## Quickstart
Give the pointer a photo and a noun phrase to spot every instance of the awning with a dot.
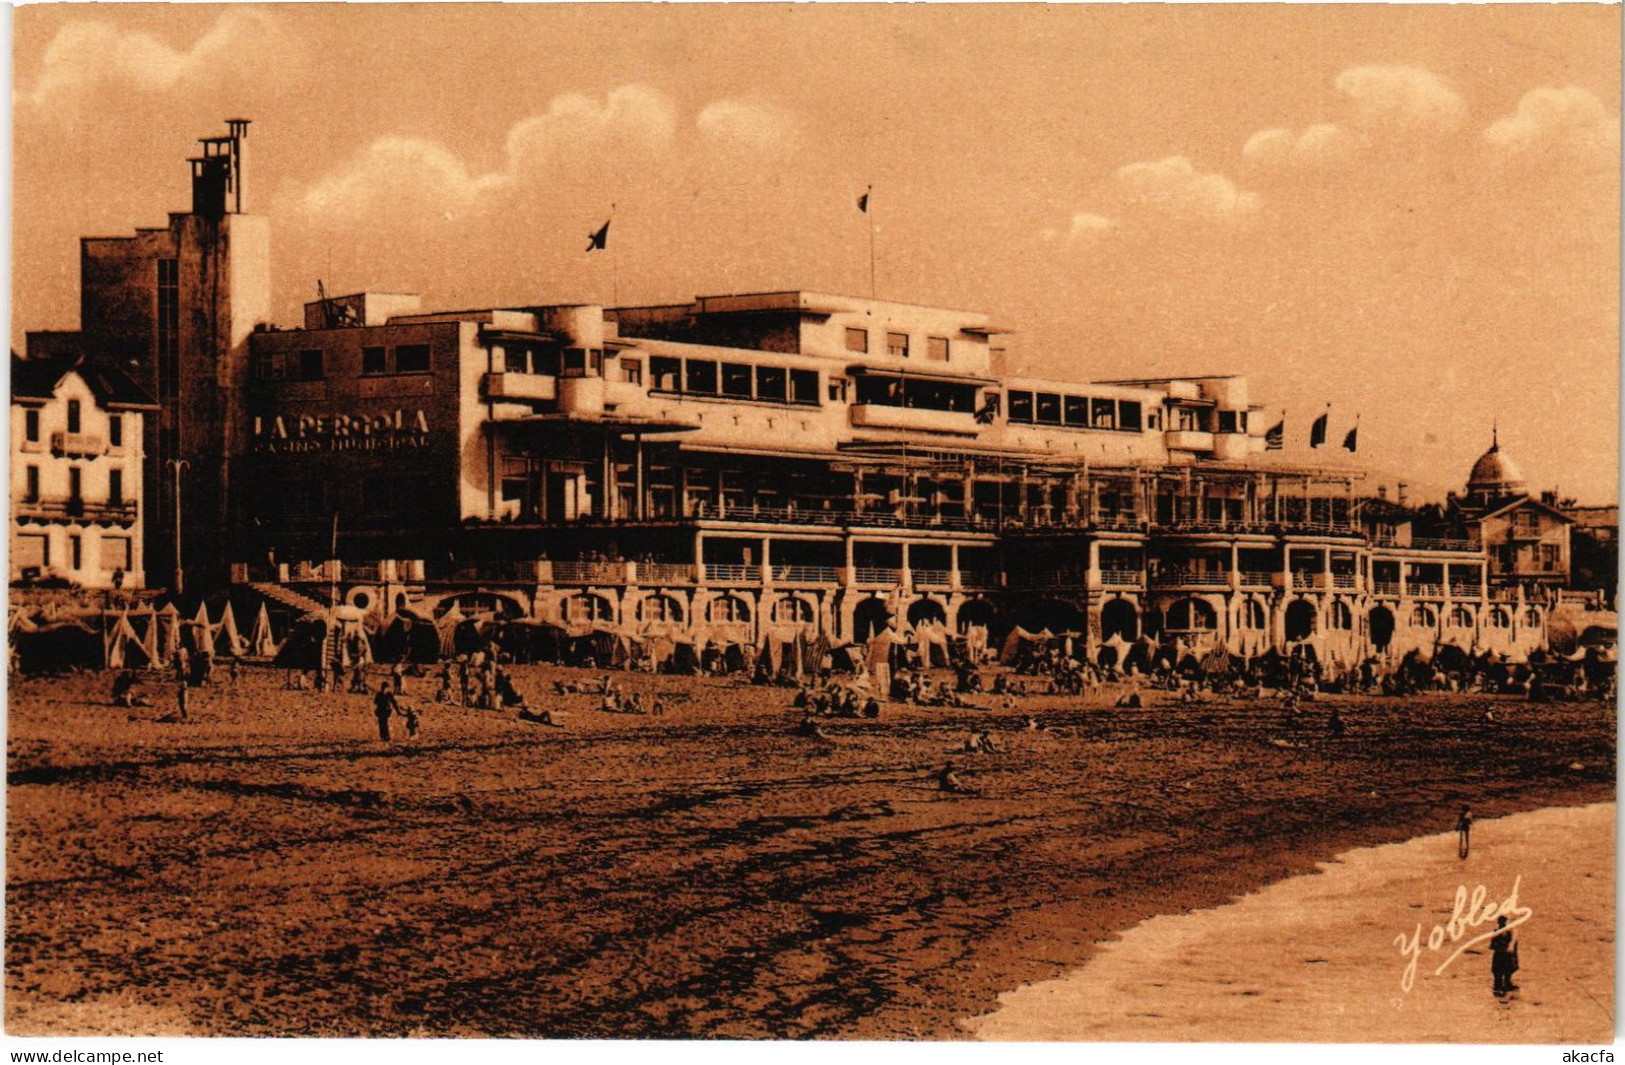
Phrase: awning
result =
(626, 423)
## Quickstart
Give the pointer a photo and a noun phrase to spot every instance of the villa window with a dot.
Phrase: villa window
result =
(897, 345)
(857, 340)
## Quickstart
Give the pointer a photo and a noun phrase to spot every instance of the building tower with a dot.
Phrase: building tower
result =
(172, 308)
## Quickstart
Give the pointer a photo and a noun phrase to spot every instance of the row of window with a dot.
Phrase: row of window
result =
(733, 380)
(936, 348)
(34, 552)
(582, 609)
(1079, 412)
(115, 486)
(115, 425)
(310, 364)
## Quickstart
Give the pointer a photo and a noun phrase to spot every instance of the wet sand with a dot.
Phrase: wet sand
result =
(1314, 958)
(272, 868)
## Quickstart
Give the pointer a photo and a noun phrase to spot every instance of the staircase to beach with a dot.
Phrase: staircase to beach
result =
(281, 593)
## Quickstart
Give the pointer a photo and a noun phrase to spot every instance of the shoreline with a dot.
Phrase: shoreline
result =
(1313, 957)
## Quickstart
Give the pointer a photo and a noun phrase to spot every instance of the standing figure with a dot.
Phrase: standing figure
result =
(1464, 828)
(181, 691)
(1503, 957)
(383, 705)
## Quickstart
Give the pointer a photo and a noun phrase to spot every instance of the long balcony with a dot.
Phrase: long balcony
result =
(1188, 440)
(77, 511)
(1386, 588)
(1254, 578)
(885, 576)
(919, 419)
(931, 578)
(1122, 578)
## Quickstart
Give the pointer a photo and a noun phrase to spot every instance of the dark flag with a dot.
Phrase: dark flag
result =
(1351, 441)
(1275, 439)
(599, 240)
(1317, 432)
(863, 203)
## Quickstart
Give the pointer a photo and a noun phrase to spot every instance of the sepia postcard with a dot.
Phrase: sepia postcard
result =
(913, 523)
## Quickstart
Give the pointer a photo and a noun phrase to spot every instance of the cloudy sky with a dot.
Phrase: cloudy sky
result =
(1409, 212)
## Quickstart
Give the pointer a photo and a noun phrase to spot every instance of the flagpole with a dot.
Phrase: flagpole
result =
(870, 201)
(614, 268)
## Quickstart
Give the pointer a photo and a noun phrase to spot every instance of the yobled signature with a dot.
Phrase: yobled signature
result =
(1468, 915)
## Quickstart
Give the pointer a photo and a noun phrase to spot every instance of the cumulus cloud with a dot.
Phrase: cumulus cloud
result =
(1174, 186)
(577, 145)
(746, 124)
(403, 171)
(1551, 121)
(1321, 144)
(1404, 99)
(1383, 107)
(631, 120)
(89, 55)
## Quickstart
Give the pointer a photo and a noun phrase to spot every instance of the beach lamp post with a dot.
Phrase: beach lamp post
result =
(176, 466)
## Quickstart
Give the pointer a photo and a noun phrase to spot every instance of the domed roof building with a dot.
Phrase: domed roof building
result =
(1526, 538)
(1495, 476)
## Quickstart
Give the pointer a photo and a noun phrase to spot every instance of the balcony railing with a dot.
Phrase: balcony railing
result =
(521, 386)
(879, 575)
(77, 444)
(1190, 579)
(806, 574)
(1428, 543)
(589, 572)
(1390, 588)
(1255, 578)
(978, 578)
(1424, 590)
(77, 510)
(877, 416)
(931, 578)
(1343, 581)
(1122, 578)
(664, 573)
(1465, 589)
(732, 573)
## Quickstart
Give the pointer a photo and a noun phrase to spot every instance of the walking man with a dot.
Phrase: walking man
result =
(1464, 828)
(384, 706)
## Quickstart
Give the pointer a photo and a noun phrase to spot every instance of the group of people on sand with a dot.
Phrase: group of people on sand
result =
(834, 700)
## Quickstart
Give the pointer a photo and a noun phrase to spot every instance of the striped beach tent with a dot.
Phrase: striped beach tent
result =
(261, 643)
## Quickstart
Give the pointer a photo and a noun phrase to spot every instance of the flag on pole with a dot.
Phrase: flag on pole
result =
(1275, 439)
(599, 240)
(863, 203)
(1317, 432)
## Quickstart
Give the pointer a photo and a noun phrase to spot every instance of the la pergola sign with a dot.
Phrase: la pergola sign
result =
(396, 430)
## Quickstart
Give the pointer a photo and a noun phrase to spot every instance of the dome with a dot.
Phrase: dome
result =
(1495, 474)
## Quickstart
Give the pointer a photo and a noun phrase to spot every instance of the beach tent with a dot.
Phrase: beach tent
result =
(261, 643)
(227, 640)
(122, 646)
(408, 638)
(976, 642)
(933, 644)
(169, 633)
(57, 648)
(198, 634)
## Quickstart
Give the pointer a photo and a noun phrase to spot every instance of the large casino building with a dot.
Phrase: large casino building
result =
(743, 461)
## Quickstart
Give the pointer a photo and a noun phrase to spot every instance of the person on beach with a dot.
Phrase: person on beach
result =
(1464, 828)
(181, 699)
(948, 780)
(1335, 725)
(383, 707)
(1503, 957)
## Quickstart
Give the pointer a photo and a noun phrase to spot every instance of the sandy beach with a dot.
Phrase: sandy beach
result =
(1314, 958)
(273, 868)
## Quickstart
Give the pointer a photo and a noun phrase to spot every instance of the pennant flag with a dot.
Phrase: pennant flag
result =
(1317, 432)
(1352, 440)
(1275, 439)
(599, 240)
(863, 203)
